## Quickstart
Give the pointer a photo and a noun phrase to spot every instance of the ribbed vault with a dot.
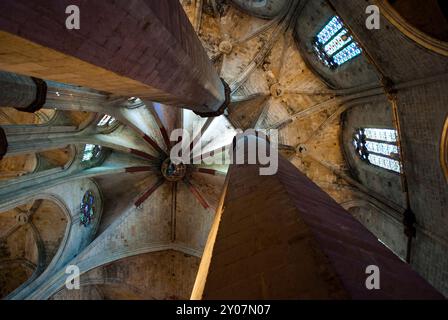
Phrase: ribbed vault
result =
(153, 216)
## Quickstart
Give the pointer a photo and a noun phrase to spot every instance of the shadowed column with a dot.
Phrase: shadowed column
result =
(141, 48)
(282, 237)
(30, 94)
(21, 92)
(3, 143)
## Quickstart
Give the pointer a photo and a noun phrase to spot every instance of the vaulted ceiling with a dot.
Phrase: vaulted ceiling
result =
(158, 226)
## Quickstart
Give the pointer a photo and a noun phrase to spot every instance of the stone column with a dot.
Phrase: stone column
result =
(282, 237)
(30, 94)
(24, 139)
(140, 48)
(62, 96)
(21, 92)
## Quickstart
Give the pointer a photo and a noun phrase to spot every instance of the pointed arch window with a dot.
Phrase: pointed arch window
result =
(91, 152)
(87, 208)
(259, 3)
(334, 45)
(106, 121)
(378, 147)
(134, 103)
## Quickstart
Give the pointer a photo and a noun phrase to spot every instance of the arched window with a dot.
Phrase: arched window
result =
(444, 149)
(334, 45)
(87, 208)
(378, 147)
(134, 103)
(106, 121)
(91, 151)
(259, 3)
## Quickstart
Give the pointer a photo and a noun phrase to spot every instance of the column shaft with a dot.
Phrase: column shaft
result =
(282, 237)
(30, 94)
(139, 48)
(21, 92)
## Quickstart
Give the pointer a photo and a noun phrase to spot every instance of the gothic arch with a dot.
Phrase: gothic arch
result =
(117, 278)
(20, 165)
(265, 9)
(375, 114)
(43, 117)
(76, 236)
(355, 74)
(409, 30)
(383, 224)
(61, 157)
(444, 149)
(33, 235)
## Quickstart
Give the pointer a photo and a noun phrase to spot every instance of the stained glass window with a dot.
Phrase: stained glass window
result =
(91, 151)
(334, 45)
(259, 3)
(87, 208)
(378, 147)
(134, 103)
(106, 121)
(388, 135)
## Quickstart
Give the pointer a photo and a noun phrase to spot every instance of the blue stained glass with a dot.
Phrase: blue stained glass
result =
(388, 135)
(338, 42)
(87, 208)
(385, 163)
(347, 54)
(334, 45)
(382, 148)
(329, 30)
(381, 151)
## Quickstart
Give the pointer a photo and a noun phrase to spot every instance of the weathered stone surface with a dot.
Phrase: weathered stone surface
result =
(282, 237)
(141, 48)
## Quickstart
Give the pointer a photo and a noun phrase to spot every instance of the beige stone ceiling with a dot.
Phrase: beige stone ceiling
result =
(279, 86)
(165, 275)
(30, 236)
(283, 67)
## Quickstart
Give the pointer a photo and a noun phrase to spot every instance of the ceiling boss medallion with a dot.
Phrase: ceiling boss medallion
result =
(173, 172)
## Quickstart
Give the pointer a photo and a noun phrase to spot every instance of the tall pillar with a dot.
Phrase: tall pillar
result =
(21, 92)
(141, 48)
(282, 237)
(30, 94)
